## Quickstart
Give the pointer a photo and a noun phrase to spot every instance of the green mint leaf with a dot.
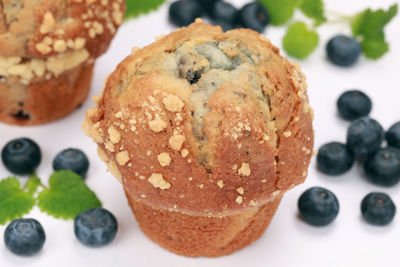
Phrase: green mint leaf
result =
(374, 48)
(138, 7)
(280, 10)
(14, 202)
(67, 196)
(299, 42)
(370, 24)
(32, 184)
(314, 9)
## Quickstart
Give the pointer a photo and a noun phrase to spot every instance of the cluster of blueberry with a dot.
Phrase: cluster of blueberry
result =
(94, 227)
(381, 165)
(252, 15)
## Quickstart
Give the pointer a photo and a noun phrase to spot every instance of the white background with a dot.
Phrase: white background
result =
(349, 241)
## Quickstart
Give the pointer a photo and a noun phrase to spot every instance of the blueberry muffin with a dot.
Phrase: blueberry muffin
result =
(47, 52)
(206, 130)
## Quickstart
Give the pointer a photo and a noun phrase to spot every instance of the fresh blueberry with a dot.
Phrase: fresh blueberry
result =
(95, 227)
(24, 237)
(224, 11)
(383, 167)
(71, 159)
(393, 135)
(253, 16)
(378, 208)
(21, 156)
(364, 136)
(354, 104)
(207, 5)
(318, 206)
(343, 50)
(225, 25)
(334, 158)
(184, 12)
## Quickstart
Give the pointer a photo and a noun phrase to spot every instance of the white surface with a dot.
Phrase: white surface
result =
(288, 241)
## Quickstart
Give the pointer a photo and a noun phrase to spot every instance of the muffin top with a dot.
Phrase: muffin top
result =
(205, 122)
(38, 37)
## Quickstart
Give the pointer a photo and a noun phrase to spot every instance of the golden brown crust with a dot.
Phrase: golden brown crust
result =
(195, 236)
(255, 149)
(44, 101)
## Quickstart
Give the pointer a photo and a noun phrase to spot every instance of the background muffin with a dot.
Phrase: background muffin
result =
(206, 130)
(47, 51)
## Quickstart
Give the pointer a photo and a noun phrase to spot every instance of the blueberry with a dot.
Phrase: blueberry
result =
(207, 5)
(354, 104)
(71, 159)
(21, 156)
(334, 158)
(378, 208)
(364, 136)
(24, 237)
(184, 12)
(225, 25)
(318, 206)
(393, 135)
(343, 50)
(223, 11)
(383, 167)
(254, 16)
(95, 227)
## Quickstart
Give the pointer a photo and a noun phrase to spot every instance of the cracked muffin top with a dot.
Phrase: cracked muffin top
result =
(205, 122)
(39, 37)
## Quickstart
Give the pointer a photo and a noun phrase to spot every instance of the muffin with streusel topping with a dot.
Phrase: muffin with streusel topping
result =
(206, 130)
(47, 52)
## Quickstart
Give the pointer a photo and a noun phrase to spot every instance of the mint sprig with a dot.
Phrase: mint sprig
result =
(280, 11)
(299, 41)
(66, 197)
(367, 26)
(14, 201)
(138, 7)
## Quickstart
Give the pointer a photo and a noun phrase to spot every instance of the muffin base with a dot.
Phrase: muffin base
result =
(208, 236)
(44, 101)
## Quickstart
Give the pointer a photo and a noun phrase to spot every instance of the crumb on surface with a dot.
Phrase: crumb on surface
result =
(164, 159)
(240, 190)
(173, 103)
(176, 141)
(220, 183)
(239, 200)
(244, 169)
(158, 181)
(157, 125)
(122, 157)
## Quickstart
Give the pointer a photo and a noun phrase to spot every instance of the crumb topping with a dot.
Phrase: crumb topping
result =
(287, 134)
(184, 153)
(176, 141)
(122, 157)
(239, 200)
(157, 125)
(164, 159)
(157, 180)
(115, 135)
(244, 169)
(220, 183)
(240, 190)
(173, 103)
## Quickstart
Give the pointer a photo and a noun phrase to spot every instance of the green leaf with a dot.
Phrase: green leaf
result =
(374, 48)
(32, 184)
(370, 23)
(135, 8)
(280, 10)
(314, 9)
(368, 26)
(299, 42)
(67, 196)
(14, 202)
